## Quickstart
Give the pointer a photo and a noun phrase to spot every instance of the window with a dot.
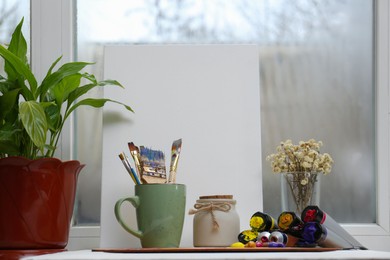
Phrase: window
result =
(375, 232)
(316, 81)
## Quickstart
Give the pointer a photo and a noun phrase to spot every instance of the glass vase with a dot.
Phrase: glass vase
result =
(299, 190)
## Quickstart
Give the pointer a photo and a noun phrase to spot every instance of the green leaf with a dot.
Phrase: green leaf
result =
(75, 94)
(21, 69)
(7, 102)
(9, 141)
(9, 148)
(65, 70)
(80, 91)
(110, 82)
(52, 66)
(64, 87)
(94, 102)
(34, 121)
(5, 86)
(17, 46)
(54, 117)
(90, 77)
(7, 132)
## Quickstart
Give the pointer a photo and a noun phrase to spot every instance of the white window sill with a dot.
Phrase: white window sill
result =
(342, 254)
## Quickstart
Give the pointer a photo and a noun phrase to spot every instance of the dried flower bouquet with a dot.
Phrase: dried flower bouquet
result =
(301, 164)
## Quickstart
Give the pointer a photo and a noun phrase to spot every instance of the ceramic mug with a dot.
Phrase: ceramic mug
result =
(160, 210)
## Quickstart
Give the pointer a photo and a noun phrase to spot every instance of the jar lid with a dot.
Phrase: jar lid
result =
(216, 197)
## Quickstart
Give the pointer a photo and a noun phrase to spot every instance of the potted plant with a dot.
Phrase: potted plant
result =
(37, 190)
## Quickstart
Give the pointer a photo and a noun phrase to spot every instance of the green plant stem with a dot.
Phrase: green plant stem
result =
(56, 138)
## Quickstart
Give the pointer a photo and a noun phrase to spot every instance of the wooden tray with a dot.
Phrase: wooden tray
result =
(214, 249)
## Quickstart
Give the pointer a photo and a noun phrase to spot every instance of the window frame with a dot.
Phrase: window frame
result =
(52, 37)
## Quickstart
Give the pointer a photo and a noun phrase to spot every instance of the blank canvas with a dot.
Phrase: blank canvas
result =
(208, 95)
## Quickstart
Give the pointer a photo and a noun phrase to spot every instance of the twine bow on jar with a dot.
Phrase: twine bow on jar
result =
(211, 206)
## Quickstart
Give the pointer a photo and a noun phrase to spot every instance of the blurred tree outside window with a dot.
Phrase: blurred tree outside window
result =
(11, 12)
(316, 81)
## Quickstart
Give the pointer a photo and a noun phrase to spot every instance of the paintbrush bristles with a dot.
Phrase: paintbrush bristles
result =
(152, 156)
(176, 148)
(128, 168)
(134, 151)
(153, 165)
(150, 164)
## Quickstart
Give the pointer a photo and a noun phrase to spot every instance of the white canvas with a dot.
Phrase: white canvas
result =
(208, 95)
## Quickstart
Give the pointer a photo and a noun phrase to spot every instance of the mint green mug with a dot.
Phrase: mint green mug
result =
(160, 210)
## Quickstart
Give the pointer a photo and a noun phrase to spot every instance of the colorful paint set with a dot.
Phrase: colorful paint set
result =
(314, 228)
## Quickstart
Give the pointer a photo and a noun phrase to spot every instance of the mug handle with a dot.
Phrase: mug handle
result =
(135, 202)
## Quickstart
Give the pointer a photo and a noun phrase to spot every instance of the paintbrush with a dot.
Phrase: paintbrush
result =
(129, 169)
(153, 165)
(134, 151)
(176, 148)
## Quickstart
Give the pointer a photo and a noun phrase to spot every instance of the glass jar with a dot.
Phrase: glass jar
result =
(299, 190)
(216, 222)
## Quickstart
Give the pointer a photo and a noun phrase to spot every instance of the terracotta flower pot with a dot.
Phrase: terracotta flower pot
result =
(36, 202)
